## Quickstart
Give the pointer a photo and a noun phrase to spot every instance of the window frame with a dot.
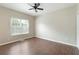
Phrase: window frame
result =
(19, 33)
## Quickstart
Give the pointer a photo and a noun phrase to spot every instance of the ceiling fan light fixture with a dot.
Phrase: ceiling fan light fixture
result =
(35, 7)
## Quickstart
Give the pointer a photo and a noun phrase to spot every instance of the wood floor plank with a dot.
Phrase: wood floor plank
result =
(37, 46)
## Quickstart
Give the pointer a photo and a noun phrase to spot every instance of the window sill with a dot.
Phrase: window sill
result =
(19, 34)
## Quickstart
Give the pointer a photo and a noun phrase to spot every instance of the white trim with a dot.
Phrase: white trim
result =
(13, 41)
(41, 38)
(58, 41)
(9, 42)
(14, 34)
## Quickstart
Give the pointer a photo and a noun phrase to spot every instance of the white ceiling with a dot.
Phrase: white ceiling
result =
(48, 7)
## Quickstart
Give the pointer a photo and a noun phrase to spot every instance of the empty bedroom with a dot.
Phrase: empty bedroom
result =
(39, 29)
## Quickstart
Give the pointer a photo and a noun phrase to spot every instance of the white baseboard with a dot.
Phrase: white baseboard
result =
(13, 41)
(41, 38)
(58, 42)
(8, 42)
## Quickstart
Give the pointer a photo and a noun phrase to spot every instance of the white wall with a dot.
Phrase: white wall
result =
(78, 25)
(58, 26)
(78, 30)
(5, 17)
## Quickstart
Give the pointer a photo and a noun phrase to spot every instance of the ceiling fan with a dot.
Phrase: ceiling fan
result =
(35, 7)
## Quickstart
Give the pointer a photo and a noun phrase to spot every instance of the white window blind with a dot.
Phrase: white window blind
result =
(19, 26)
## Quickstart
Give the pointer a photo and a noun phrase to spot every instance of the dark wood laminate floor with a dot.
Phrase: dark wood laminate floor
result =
(36, 46)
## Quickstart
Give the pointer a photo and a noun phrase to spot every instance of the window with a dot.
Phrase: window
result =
(19, 26)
